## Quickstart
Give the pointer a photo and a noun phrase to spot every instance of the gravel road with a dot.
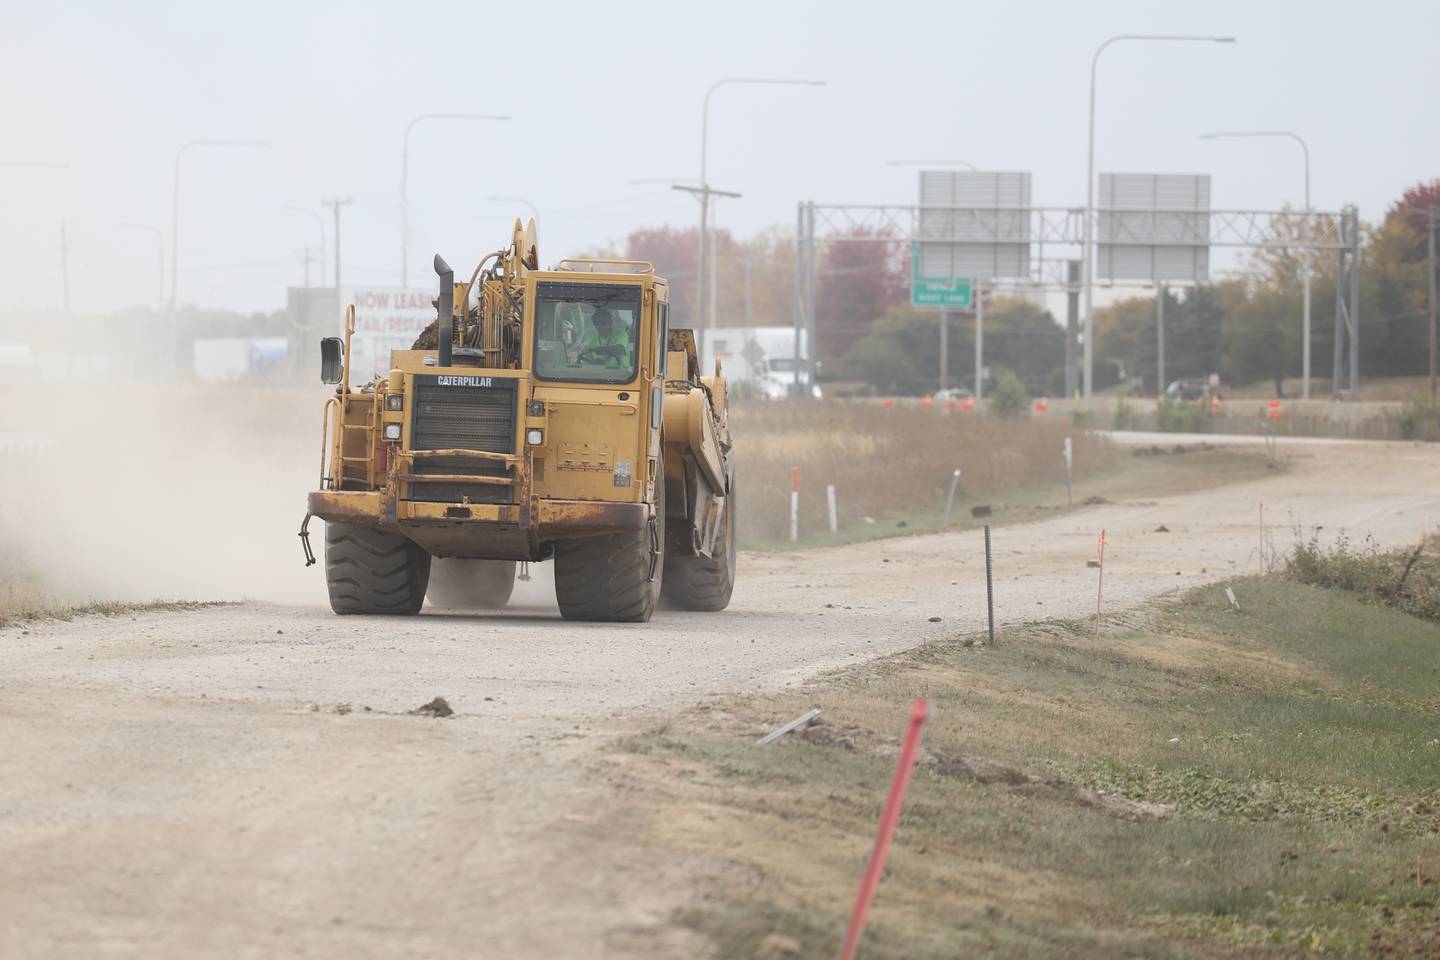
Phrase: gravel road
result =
(247, 781)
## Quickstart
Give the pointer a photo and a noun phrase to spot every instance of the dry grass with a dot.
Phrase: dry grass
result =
(888, 461)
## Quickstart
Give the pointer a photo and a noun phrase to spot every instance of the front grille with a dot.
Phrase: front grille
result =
(462, 413)
(463, 417)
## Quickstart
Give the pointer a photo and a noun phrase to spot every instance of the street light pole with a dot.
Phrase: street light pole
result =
(405, 181)
(319, 225)
(704, 180)
(1087, 254)
(1305, 269)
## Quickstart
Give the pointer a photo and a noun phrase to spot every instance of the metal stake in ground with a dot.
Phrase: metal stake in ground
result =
(888, 819)
(950, 497)
(830, 507)
(1264, 567)
(1100, 583)
(989, 588)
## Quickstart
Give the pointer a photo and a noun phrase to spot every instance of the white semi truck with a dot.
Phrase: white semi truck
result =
(763, 357)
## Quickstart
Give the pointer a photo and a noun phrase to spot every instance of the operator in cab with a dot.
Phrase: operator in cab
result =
(608, 343)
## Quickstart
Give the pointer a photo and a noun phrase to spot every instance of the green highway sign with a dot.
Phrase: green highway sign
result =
(938, 292)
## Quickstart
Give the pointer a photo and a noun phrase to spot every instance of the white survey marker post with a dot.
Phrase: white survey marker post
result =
(950, 497)
(830, 505)
(794, 504)
(1069, 467)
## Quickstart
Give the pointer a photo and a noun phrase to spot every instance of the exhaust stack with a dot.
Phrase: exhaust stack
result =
(446, 306)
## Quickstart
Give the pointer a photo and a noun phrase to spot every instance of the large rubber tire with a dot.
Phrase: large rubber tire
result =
(704, 584)
(370, 571)
(458, 584)
(607, 578)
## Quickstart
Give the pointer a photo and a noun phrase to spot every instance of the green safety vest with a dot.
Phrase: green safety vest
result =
(616, 338)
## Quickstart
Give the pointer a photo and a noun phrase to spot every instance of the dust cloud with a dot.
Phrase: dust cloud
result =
(143, 491)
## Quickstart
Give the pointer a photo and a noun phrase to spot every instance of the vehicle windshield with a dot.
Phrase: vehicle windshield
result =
(586, 331)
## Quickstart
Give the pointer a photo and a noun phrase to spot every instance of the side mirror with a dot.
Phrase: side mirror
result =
(331, 362)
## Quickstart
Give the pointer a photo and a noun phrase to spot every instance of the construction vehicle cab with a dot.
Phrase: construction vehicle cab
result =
(545, 415)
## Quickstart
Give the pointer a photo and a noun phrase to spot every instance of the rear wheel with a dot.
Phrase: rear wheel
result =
(456, 583)
(370, 571)
(609, 577)
(704, 584)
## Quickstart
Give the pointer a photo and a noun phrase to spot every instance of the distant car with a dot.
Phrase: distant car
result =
(952, 394)
(1193, 388)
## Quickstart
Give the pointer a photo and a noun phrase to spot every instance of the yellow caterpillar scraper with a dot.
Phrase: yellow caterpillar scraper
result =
(550, 415)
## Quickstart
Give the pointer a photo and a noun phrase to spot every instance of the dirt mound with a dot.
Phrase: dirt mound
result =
(435, 708)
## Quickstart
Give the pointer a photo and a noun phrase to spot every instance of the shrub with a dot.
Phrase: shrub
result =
(1181, 416)
(1008, 397)
(1406, 579)
(1420, 420)
(1125, 416)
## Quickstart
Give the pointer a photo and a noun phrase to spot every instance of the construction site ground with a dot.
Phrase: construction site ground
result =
(251, 780)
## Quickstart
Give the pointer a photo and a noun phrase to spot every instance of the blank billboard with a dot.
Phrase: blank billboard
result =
(974, 224)
(1154, 226)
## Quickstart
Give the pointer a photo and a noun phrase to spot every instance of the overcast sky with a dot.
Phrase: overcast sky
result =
(605, 93)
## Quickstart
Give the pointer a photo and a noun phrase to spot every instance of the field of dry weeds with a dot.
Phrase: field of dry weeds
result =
(887, 460)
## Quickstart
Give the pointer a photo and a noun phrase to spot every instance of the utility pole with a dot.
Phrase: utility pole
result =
(335, 204)
(1432, 215)
(1160, 339)
(979, 346)
(1072, 328)
(944, 348)
(703, 193)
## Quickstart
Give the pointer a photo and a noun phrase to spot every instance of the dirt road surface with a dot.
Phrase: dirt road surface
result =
(246, 781)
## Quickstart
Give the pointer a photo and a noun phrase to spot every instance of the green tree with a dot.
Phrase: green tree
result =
(1260, 336)
(1023, 338)
(1008, 397)
(898, 355)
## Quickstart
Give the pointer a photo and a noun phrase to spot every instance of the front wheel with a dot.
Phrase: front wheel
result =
(369, 571)
(615, 577)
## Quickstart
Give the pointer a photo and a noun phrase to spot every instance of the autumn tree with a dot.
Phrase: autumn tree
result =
(858, 278)
(754, 279)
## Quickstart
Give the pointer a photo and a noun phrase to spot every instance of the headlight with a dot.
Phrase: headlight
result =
(534, 437)
(392, 431)
(535, 408)
(395, 402)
